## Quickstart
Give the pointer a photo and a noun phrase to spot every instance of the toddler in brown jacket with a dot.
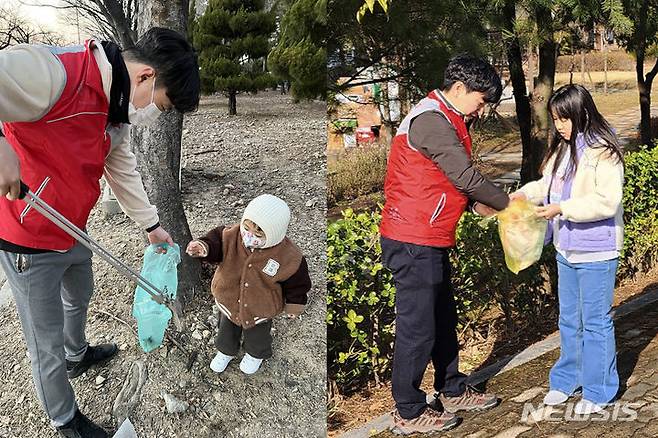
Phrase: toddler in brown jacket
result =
(261, 274)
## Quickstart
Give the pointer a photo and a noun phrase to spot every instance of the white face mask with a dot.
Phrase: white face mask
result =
(143, 116)
(250, 240)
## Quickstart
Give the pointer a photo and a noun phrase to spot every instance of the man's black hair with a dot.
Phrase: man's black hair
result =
(476, 74)
(175, 63)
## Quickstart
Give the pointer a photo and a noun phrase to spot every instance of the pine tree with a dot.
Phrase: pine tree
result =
(191, 21)
(300, 56)
(232, 39)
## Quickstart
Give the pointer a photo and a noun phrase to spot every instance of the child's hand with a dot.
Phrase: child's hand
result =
(549, 212)
(196, 249)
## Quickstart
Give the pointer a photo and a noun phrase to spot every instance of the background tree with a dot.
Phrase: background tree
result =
(158, 150)
(550, 26)
(400, 47)
(638, 39)
(531, 152)
(14, 29)
(232, 38)
(300, 55)
(112, 20)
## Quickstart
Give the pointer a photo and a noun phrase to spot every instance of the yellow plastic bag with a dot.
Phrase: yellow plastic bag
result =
(522, 234)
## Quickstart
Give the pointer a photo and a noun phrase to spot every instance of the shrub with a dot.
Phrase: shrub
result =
(481, 278)
(359, 172)
(359, 303)
(640, 212)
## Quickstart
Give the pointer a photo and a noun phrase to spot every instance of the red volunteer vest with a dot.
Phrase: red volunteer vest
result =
(68, 145)
(422, 205)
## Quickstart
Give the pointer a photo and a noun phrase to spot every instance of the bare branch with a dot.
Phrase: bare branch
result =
(115, 19)
(14, 29)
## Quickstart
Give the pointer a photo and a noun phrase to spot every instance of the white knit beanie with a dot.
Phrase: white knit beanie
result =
(272, 215)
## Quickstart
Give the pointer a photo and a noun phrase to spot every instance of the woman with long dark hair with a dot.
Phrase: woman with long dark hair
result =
(581, 193)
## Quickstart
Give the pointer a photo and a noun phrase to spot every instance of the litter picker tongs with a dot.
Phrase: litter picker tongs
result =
(54, 216)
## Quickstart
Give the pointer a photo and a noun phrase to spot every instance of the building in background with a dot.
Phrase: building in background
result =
(363, 115)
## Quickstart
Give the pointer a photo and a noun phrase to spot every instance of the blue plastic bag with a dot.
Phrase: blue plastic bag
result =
(153, 318)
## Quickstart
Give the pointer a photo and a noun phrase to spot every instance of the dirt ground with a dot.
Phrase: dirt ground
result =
(272, 146)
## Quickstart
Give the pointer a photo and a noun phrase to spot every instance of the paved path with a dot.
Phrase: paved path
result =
(523, 381)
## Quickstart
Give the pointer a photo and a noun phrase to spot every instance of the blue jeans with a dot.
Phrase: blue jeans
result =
(587, 335)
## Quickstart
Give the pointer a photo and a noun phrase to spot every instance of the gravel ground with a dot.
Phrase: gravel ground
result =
(272, 146)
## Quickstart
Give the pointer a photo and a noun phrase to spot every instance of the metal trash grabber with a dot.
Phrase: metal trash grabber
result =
(65, 225)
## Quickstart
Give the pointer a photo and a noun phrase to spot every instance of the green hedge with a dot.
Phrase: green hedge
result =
(361, 295)
(640, 212)
(360, 302)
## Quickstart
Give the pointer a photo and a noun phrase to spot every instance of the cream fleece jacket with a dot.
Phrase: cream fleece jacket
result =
(596, 193)
(32, 80)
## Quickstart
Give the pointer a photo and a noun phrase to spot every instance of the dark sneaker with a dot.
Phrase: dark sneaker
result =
(470, 400)
(93, 355)
(429, 421)
(81, 427)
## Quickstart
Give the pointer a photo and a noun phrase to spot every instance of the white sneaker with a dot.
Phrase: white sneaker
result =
(586, 407)
(250, 364)
(220, 362)
(555, 397)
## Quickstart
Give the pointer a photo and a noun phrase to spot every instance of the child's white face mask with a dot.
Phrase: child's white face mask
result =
(250, 240)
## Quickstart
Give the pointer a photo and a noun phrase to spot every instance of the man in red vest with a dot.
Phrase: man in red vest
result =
(430, 180)
(66, 114)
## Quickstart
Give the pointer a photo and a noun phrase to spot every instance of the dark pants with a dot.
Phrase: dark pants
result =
(425, 324)
(257, 340)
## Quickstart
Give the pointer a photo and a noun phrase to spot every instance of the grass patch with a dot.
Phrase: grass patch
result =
(615, 102)
(622, 89)
(357, 173)
(621, 80)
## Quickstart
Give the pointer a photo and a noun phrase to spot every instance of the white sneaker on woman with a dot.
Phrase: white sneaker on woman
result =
(585, 407)
(555, 397)
(220, 362)
(250, 364)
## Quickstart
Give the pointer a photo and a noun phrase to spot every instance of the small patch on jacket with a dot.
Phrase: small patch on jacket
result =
(271, 268)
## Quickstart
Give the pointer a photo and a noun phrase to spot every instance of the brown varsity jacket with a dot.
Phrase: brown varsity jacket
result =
(251, 287)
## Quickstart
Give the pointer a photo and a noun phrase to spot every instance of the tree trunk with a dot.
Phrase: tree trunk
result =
(605, 68)
(385, 106)
(529, 160)
(232, 103)
(544, 86)
(403, 98)
(644, 83)
(113, 10)
(158, 151)
(531, 67)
